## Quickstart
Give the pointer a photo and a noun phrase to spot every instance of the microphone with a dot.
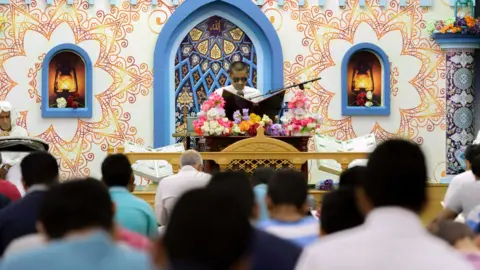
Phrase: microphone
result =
(300, 85)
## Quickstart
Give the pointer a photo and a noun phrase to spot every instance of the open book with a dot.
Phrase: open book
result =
(154, 170)
(270, 105)
(324, 143)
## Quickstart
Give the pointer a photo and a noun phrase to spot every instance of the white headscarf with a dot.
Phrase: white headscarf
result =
(6, 106)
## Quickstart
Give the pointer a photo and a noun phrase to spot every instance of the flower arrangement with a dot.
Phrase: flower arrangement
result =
(211, 118)
(364, 99)
(72, 101)
(298, 121)
(245, 123)
(463, 25)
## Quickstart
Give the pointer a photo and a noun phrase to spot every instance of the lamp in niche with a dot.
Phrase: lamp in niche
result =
(65, 80)
(362, 79)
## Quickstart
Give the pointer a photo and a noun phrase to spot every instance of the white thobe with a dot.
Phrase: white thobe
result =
(248, 92)
(390, 239)
(13, 159)
(174, 186)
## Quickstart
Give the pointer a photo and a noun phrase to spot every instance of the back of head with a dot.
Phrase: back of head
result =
(39, 168)
(191, 158)
(262, 175)
(339, 211)
(352, 176)
(237, 66)
(206, 231)
(4, 201)
(472, 151)
(288, 188)
(396, 175)
(476, 166)
(117, 171)
(452, 231)
(74, 205)
(235, 185)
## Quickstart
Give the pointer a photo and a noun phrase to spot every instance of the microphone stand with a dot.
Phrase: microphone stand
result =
(274, 91)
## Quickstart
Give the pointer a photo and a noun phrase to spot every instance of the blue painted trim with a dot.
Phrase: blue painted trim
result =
(381, 110)
(69, 2)
(49, 2)
(321, 3)
(281, 2)
(260, 2)
(341, 3)
(175, 2)
(382, 3)
(86, 112)
(362, 3)
(457, 41)
(133, 2)
(403, 3)
(113, 2)
(90, 2)
(426, 3)
(301, 3)
(248, 13)
(28, 2)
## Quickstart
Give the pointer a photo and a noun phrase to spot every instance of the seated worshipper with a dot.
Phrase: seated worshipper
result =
(11, 160)
(471, 152)
(238, 74)
(287, 202)
(339, 211)
(79, 232)
(39, 172)
(351, 177)
(391, 195)
(207, 232)
(260, 178)
(132, 213)
(466, 198)
(267, 251)
(9, 190)
(460, 237)
(190, 176)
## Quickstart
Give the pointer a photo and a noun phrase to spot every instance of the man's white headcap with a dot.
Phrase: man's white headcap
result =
(6, 106)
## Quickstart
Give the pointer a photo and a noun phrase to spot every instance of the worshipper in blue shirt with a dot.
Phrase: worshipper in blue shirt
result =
(287, 202)
(39, 171)
(220, 240)
(266, 251)
(260, 178)
(132, 213)
(77, 219)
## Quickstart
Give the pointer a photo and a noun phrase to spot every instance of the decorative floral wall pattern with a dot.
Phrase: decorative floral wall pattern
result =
(120, 41)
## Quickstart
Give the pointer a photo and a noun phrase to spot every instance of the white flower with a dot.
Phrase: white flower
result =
(61, 102)
(236, 129)
(369, 95)
(226, 130)
(266, 119)
(261, 123)
(299, 111)
(200, 113)
(212, 114)
(285, 119)
(311, 125)
(213, 124)
(368, 104)
(290, 127)
(317, 131)
(219, 130)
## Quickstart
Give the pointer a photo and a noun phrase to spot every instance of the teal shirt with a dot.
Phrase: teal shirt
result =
(97, 251)
(260, 192)
(133, 213)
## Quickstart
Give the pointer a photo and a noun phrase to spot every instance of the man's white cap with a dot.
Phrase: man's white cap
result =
(5, 106)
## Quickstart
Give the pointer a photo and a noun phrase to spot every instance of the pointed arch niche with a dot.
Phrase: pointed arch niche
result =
(247, 17)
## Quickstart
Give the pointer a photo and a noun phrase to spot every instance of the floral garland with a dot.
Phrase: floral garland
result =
(245, 123)
(211, 118)
(298, 121)
(72, 101)
(464, 25)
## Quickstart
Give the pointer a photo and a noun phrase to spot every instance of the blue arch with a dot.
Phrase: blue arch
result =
(48, 112)
(382, 56)
(177, 26)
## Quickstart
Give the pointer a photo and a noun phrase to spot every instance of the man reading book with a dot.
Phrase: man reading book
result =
(238, 74)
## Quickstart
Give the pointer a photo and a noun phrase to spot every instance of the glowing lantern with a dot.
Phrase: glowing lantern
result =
(362, 79)
(65, 79)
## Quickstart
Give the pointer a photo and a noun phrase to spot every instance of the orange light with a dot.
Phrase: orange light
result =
(363, 81)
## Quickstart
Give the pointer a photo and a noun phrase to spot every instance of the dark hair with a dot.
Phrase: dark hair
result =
(452, 231)
(396, 175)
(39, 168)
(472, 151)
(75, 205)
(288, 188)
(352, 176)
(221, 235)
(117, 171)
(238, 66)
(237, 186)
(262, 175)
(339, 211)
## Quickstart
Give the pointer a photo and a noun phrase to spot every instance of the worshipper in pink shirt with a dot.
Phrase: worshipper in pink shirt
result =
(460, 237)
(134, 240)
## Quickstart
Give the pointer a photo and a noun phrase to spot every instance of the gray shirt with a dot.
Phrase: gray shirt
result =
(465, 198)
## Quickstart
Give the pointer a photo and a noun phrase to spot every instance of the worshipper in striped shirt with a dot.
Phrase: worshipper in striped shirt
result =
(287, 202)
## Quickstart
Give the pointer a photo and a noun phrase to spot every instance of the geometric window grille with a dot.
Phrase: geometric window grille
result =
(202, 62)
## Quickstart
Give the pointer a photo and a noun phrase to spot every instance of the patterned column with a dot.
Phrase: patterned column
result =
(460, 102)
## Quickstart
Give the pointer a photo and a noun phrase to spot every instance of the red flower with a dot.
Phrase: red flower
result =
(361, 98)
(76, 95)
(252, 131)
(69, 101)
(74, 104)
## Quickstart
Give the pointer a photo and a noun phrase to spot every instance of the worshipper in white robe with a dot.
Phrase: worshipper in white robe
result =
(11, 160)
(172, 187)
(238, 74)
